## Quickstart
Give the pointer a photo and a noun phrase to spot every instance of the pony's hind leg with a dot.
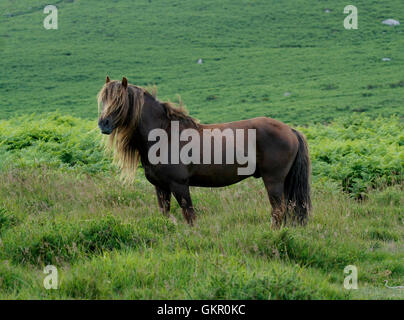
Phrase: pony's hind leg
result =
(164, 199)
(183, 197)
(275, 194)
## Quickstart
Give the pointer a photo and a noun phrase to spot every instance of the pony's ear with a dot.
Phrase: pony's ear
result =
(107, 80)
(124, 82)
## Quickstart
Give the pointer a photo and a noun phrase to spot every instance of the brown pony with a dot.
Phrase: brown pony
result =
(129, 113)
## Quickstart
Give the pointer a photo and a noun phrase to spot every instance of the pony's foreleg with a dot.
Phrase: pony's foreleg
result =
(164, 199)
(275, 194)
(183, 197)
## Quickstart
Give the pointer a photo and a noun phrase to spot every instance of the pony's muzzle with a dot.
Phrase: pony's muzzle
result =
(105, 125)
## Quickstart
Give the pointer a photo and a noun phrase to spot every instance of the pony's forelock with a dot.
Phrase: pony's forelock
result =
(126, 105)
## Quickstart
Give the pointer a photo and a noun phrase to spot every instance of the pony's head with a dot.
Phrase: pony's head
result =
(120, 107)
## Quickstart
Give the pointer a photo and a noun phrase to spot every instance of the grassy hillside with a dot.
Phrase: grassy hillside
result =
(62, 203)
(254, 51)
(61, 200)
(112, 242)
(356, 153)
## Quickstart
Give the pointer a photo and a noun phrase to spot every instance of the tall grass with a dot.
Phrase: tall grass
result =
(357, 153)
(109, 240)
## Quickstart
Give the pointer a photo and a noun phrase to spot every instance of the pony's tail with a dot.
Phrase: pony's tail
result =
(297, 184)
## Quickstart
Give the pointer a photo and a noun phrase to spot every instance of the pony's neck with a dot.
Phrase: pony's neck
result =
(153, 116)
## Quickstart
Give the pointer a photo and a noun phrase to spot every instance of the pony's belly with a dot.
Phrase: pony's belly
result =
(215, 176)
(214, 183)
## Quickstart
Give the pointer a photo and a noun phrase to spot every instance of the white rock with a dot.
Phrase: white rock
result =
(327, 10)
(199, 61)
(391, 22)
(386, 59)
(287, 94)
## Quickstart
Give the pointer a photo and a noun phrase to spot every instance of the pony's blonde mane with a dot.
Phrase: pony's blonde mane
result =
(126, 103)
(174, 111)
(177, 112)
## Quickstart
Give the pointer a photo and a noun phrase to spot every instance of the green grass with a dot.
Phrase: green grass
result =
(356, 153)
(109, 240)
(253, 51)
(61, 200)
